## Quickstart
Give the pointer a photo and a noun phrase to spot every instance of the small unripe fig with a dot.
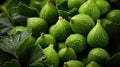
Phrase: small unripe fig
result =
(38, 25)
(73, 63)
(98, 37)
(91, 8)
(51, 56)
(49, 12)
(77, 42)
(75, 3)
(113, 15)
(98, 55)
(66, 54)
(45, 40)
(93, 64)
(103, 5)
(61, 30)
(81, 24)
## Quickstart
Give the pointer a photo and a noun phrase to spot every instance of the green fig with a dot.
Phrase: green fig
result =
(38, 25)
(73, 63)
(93, 64)
(98, 55)
(91, 8)
(98, 37)
(114, 16)
(75, 3)
(49, 12)
(103, 5)
(66, 54)
(51, 56)
(60, 45)
(45, 40)
(61, 30)
(77, 42)
(81, 23)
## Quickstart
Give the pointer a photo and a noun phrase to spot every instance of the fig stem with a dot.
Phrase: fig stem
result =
(65, 64)
(69, 18)
(98, 22)
(51, 45)
(42, 34)
(60, 18)
(49, 1)
(67, 46)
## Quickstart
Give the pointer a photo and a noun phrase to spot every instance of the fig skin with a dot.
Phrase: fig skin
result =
(75, 3)
(81, 23)
(90, 8)
(98, 36)
(73, 63)
(61, 30)
(49, 13)
(93, 64)
(77, 42)
(98, 55)
(113, 16)
(66, 54)
(51, 55)
(104, 6)
(45, 40)
(38, 25)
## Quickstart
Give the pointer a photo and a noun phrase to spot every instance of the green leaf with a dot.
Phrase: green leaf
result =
(12, 43)
(5, 25)
(63, 13)
(17, 18)
(37, 65)
(61, 4)
(10, 3)
(12, 63)
(40, 63)
(27, 11)
(20, 13)
(73, 12)
(66, 13)
(33, 54)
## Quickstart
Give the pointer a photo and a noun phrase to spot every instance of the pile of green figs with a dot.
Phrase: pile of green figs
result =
(74, 33)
